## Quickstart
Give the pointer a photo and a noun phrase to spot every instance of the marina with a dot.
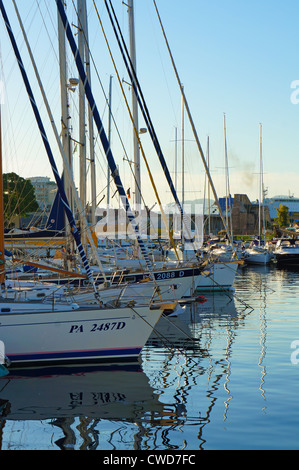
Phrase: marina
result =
(134, 317)
(221, 375)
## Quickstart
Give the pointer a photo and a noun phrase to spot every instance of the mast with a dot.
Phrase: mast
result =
(109, 139)
(73, 231)
(65, 132)
(144, 109)
(225, 169)
(2, 257)
(47, 147)
(90, 121)
(227, 199)
(140, 144)
(175, 158)
(260, 190)
(134, 105)
(183, 172)
(194, 130)
(261, 195)
(209, 208)
(82, 138)
(102, 133)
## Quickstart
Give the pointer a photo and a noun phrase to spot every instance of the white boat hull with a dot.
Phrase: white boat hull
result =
(87, 334)
(258, 257)
(145, 291)
(175, 281)
(220, 277)
(287, 257)
(287, 252)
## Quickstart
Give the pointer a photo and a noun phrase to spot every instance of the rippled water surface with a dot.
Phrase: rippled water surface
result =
(222, 375)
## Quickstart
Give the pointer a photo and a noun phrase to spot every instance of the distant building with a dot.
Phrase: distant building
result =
(291, 202)
(226, 203)
(245, 215)
(45, 191)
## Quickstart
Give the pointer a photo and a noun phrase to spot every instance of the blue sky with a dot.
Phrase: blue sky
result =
(233, 57)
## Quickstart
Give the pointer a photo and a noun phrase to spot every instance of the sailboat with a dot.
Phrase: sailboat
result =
(257, 252)
(43, 332)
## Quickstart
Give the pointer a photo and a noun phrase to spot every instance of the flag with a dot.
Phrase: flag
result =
(128, 193)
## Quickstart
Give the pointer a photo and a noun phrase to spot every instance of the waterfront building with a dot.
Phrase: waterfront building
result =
(291, 202)
(45, 191)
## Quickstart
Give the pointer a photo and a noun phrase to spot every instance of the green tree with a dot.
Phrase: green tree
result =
(282, 219)
(18, 196)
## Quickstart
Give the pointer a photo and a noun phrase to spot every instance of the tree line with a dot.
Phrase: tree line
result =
(18, 197)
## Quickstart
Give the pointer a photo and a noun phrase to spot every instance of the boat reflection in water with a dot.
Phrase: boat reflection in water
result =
(136, 406)
(193, 373)
(73, 396)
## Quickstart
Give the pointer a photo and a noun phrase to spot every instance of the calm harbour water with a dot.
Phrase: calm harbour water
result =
(222, 375)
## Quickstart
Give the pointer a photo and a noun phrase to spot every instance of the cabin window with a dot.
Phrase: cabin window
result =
(5, 310)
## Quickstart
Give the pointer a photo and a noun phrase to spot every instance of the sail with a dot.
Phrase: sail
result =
(56, 219)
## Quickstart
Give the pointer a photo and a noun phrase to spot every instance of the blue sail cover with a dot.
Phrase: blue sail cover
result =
(56, 219)
(55, 224)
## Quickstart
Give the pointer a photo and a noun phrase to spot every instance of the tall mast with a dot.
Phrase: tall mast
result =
(65, 132)
(59, 142)
(134, 105)
(260, 189)
(261, 194)
(227, 199)
(225, 167)
(208, 191)
(208, 163)
(47, 146)
(175, 158)
(2, 258)
(109, 139)
(183, 156)
(194, 131)
(102, 134)
(183, 170)
(90, 122)
(82, 138)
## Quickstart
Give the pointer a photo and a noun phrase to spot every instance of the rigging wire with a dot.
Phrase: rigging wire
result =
(47, 146)
(107, 104)
(17, 135)
(193, 129)
(145, 112)
(104, 140)
(138, 138)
